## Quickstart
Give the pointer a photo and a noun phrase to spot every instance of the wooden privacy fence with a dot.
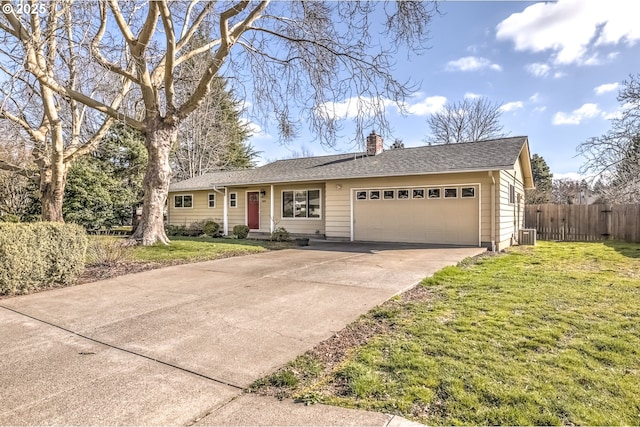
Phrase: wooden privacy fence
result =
(584, 222)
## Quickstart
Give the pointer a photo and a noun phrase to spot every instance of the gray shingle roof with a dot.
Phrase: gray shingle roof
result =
(496, 154)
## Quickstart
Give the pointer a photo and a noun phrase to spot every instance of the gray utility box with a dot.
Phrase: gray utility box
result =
(527, 236)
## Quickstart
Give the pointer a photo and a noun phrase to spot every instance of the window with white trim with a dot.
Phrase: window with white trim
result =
(434, 193)
(183, 201)
(403, 194)
(388, 194)
(468, 192)
(212, 200)
(233, 200)
(418, 193)
(450, 193)
(301, 204)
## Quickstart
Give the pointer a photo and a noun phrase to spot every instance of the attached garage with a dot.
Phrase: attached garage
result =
(448, 214)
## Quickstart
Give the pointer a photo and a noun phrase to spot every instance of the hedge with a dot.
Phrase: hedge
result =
(37, 255)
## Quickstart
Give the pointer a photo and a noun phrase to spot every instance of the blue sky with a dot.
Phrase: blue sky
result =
(556, 68)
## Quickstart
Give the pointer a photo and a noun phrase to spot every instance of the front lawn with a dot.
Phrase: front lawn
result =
(544, 335)
(192, 249)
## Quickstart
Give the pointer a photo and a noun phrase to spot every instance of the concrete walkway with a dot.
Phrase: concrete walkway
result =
(178, 345)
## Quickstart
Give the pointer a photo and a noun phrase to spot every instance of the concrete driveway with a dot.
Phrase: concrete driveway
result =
(176, 345)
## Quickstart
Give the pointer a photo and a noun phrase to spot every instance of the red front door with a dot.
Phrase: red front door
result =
(253, 210)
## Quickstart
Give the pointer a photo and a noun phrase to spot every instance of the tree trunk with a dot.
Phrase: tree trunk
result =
(159, 139)
(53, 179)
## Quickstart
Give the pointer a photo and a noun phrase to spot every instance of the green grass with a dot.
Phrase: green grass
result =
(541, 336)
(182, 249)
(197, 249)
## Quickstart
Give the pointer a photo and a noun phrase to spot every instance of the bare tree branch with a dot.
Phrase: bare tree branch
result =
(465, 121)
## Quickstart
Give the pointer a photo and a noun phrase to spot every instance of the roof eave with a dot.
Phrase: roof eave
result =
(344, 177)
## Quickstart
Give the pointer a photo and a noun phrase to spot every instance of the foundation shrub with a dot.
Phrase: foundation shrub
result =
(241, 231)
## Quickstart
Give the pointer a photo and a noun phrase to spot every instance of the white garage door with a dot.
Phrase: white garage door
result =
(441, 215)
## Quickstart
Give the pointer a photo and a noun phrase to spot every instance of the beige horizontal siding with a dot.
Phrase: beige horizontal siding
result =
(199, 211)
(509, 219)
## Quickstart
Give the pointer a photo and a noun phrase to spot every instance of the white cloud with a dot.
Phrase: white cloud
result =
(472, 63)
(572, 30)
(256, 130)
(618, 113)
(511, 106)
(559, 74)
(604, 88)
(471, 95)
(538, 69)
(534, 98)
(613, 115)
(353, 107)
(429, 105)
(540, 109)
(587, 111)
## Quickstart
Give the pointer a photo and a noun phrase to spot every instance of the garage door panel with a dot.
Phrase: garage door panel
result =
(439, 221)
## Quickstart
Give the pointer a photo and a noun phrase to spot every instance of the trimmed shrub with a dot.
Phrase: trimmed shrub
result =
(280, 234)
(241, 231)
(211, 228)
(37, 255)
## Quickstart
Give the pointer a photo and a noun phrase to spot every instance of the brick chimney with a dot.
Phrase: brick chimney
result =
(374, 144)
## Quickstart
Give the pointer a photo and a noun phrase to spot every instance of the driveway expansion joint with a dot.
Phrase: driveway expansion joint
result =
(153, 359)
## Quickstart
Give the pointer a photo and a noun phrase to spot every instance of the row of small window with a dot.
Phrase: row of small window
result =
(186, 201)
(416, 193)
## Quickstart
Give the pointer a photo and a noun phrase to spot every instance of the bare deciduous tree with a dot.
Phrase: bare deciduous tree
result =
(293, 58)
(570, 191)
(614, 158)
(465, 121)
(57, 128)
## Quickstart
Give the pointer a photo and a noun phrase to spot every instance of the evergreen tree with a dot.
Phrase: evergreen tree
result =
(542, 179)
(105, 188)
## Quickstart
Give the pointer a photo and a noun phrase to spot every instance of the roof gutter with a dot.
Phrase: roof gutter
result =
(340, 177)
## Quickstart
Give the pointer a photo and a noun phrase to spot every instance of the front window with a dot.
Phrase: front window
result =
(183, 201)
(233, 200)
(212, 200)
(301, 204)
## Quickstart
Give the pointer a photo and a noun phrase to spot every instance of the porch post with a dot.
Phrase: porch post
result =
(271, 210)
(225, 212)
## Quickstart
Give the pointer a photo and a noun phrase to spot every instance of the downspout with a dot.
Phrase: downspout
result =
(272, 219)
(493, 212)
(225, 222)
